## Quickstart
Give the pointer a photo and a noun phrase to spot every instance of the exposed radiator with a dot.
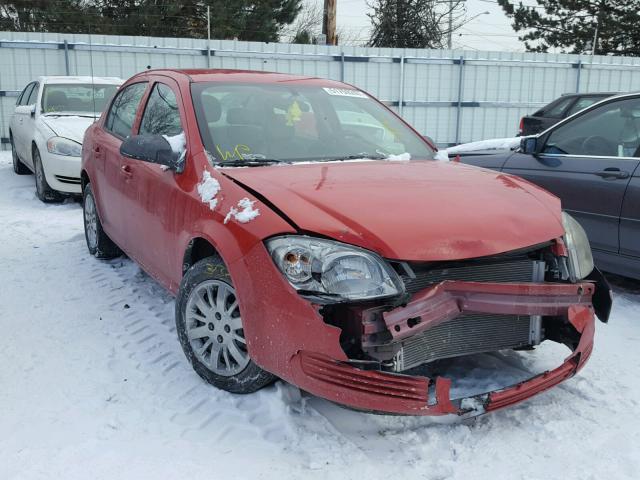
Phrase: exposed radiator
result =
(510, 270)
(472, 333)
(466, 335)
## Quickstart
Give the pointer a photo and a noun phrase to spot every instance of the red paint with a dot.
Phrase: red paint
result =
(420, 210)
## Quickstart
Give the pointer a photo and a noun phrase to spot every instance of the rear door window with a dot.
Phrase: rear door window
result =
(122, 113)
(583, 103)
(557, 108)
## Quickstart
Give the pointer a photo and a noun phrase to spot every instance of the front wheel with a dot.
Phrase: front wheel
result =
(210, 329)
(98, 242)
(44, 191)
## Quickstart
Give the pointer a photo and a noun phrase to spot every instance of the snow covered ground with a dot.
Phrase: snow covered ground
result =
(93, 384)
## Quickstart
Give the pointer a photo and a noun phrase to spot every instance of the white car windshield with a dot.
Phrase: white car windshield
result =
(76, 98)
(260, 123)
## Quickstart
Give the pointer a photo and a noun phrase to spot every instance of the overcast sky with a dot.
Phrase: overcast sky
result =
(490, 31)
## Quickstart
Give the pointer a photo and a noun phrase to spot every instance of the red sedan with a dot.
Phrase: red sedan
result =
(309, 235)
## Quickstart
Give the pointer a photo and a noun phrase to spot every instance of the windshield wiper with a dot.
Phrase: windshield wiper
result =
(360, 156)
(249, 162)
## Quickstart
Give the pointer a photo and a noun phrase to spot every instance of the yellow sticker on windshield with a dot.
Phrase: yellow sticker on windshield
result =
(294, 113)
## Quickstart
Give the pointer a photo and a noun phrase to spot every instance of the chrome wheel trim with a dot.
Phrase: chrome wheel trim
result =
(91, 222)
(214, 328)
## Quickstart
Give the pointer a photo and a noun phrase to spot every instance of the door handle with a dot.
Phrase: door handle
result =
(126, 171)
(612, 173)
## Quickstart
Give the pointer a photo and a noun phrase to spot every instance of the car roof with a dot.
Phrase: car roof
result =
(590, 94)
(245, 76)
(62, 79)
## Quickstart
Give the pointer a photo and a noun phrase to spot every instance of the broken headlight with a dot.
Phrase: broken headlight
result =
(323, 267)
(580, 257)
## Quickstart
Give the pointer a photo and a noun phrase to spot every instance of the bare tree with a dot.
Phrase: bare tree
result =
(414, 23)
(307, 25)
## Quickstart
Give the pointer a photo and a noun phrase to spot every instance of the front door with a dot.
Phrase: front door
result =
(588, 162)
(151, 192)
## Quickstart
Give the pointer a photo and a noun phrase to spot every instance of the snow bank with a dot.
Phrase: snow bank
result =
(208, 189)
(244, 213)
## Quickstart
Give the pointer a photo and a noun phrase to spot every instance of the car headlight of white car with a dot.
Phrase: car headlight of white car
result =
(333, 269)
(64, 146)
(580, 256)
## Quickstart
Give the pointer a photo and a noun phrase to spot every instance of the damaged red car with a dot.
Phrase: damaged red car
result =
(309, 235)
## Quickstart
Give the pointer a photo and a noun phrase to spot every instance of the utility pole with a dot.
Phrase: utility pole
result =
(208, 36)
(329, 22)
(595, 36)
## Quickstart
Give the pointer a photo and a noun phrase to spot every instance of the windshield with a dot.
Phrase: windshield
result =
(76, 98)
(293, 123)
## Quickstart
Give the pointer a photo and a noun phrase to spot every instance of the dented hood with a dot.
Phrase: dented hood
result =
(419, 210)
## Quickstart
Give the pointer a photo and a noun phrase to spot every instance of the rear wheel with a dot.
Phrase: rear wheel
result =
(210, 329)
(18, 167)
(44, 191)
(98, 242)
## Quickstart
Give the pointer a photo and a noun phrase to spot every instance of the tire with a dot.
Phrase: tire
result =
(209, 324)
(43, 190)
(98, 242)
(19, 168)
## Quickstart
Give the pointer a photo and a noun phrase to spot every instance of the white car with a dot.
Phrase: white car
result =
(47, 128)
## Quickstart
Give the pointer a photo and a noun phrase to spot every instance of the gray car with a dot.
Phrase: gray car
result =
(590, 161)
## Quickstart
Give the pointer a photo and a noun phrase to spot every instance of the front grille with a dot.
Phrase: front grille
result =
(509, 270)
(70, 180)
(466, 335)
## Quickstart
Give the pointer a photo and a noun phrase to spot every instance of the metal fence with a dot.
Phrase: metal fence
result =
(453, 96)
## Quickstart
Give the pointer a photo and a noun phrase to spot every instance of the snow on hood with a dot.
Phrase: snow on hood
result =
(71, 127)
(419, 210)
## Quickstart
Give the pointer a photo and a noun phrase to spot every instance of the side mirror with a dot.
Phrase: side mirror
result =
(32, 110)
(529, 145)
(152, 149)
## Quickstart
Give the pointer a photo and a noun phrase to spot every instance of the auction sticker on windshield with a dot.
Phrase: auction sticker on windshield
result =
(345, 92)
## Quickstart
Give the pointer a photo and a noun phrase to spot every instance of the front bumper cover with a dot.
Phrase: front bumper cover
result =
(287, 336)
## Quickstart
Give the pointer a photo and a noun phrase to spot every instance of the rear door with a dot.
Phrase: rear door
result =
(588, 162)
(118, 125)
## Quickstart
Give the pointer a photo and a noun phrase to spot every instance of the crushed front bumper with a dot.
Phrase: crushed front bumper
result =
(287, 336)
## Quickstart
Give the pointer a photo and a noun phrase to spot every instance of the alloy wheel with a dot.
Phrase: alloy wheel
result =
(214, 328)
(91, 221)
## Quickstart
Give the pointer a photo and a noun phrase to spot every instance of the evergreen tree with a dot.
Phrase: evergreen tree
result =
(571, 25)
(411, 23)
(256, 20)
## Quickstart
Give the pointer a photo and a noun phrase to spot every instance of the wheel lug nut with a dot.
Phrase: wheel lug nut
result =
(218, 316)
(210, 326)
(219, 338)
(227, 328)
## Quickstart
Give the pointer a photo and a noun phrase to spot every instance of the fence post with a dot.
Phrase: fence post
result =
(459, 105)
(401, 102)
(579, 67)
(66, 57)
(342, 66)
